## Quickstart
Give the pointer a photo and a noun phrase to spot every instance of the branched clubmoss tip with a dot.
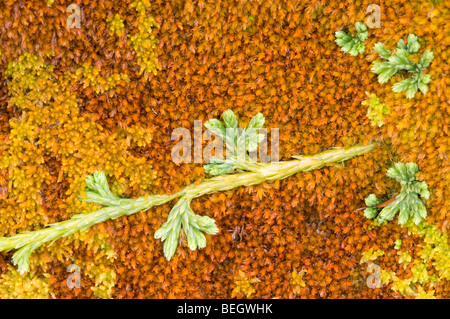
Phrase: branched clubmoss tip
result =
(408, 202)
(353, 45)
(400, 61)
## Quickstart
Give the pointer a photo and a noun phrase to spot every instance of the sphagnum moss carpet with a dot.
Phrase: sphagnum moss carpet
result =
(96, 98)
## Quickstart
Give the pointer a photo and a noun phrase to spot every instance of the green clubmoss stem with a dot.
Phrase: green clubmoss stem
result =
(181, 214)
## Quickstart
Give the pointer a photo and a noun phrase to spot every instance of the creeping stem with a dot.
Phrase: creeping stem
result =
(181, 214)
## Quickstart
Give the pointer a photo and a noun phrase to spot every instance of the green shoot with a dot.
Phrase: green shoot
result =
(353, 45)
(409, 201)
(400, 61)
(237, 144)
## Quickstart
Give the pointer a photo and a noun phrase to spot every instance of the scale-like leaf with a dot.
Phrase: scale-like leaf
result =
(372, 200)
(426, 58)
(412, 90)
(256, 122)
(413, 45)
(230, 119)
(402, 85)
(382, 51)
(361, 30)
(216, 127)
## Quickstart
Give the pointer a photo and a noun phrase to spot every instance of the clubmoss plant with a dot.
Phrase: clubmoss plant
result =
(400, 61)
(409, 201)
(181, 217)
(353, 45)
